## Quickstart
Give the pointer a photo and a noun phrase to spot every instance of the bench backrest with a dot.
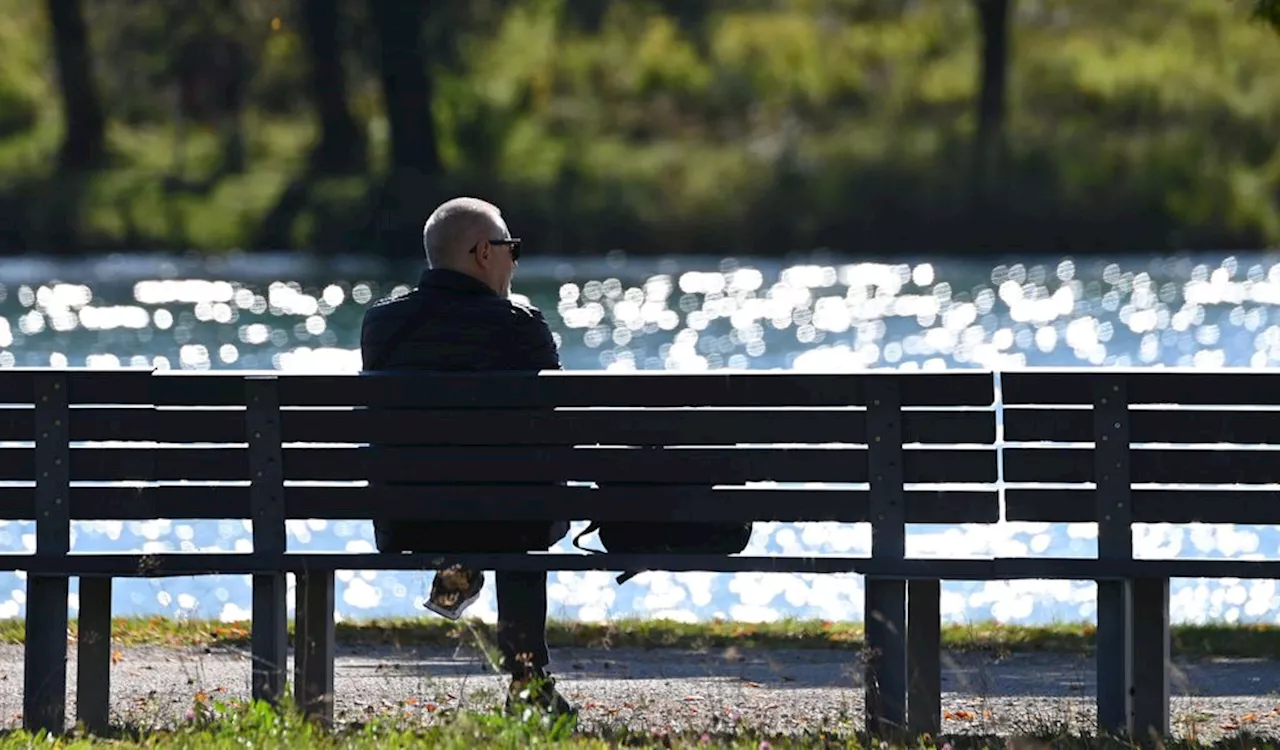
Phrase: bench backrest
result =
(660, 446)
(1191, 445)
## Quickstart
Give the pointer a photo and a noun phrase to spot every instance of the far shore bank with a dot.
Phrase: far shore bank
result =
(1260, 640)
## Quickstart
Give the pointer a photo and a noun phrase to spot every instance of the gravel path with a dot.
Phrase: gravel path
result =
(776, 691)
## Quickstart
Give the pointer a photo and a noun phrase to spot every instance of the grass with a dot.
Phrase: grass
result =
(1259, 641)
(227, 724)
(215, 722)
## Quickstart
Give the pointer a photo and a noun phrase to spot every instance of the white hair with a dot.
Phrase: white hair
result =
(455, 227)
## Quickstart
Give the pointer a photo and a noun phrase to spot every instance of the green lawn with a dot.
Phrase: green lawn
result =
(1261, 641)
(217, 724)
(259, 726)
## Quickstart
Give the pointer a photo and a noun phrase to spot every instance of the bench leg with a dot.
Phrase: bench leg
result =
(1149, 658)
(886, 658)
(44, 697)
(93, 655)
(1112, 657)
(270, 636)
(313, 631)
(924, 658)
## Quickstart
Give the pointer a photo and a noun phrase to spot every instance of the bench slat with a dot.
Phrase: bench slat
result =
(135, 464)
(576, 388)
(444, 464)
(563, 388)
(660, 466)
(952, 569)
(1064, 505)
(568, 388)
(1147, 426)
(1149, 465)
(1226, 387)
(511, 427)
(479, 502)
(625, 426)
(84, 386)
(136, 423)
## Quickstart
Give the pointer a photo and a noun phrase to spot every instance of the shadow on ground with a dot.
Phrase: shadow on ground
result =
(1014, 675)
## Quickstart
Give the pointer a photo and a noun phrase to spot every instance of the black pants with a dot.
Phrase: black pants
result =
(522, 595)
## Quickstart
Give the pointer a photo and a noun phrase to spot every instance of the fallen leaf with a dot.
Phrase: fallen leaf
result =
(117, 657)
(431, 708)
(1229, 727)
(1248, 718)
(693, 697)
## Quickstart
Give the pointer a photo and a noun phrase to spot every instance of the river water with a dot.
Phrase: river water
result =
(823, 312)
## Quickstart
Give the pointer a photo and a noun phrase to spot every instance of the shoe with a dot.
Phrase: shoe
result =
(537, 692)
(453, 590)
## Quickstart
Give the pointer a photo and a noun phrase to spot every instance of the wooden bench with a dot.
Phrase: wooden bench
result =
(474, 440)
(888, 448)
(1141, 446)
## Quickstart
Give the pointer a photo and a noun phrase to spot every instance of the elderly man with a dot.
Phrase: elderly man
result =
(460, 317)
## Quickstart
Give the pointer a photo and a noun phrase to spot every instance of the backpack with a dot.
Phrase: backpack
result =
(642, 538)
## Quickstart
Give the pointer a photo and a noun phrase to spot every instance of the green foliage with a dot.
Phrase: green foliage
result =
(758, 127)
(1268, 11)
(217, 724)
(19, 112)
(22, 85)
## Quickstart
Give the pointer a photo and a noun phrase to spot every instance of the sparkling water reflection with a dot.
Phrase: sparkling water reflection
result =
(615, 313)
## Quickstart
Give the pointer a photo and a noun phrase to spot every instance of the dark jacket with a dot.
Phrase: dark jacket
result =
(461, 324)
(457, 323)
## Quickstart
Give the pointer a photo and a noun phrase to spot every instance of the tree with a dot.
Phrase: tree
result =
(84, 136)
(212, 65)
(1267, 11)
(406, 86)
(993, 23)
(342, 145)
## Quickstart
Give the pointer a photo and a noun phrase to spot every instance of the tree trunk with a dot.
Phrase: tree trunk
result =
(84, 141)
(993, 20)
(342, 146)
(406, 86)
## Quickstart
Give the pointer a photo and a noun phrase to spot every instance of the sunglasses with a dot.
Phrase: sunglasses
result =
(513, 243)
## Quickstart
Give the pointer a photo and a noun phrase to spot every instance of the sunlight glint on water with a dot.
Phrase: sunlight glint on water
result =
(279, 312)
